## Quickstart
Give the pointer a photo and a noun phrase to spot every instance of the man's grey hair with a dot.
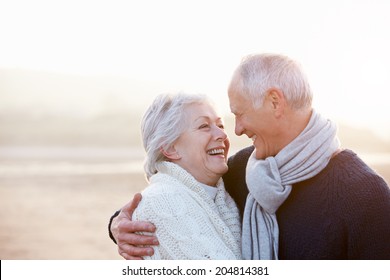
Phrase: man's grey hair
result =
(258, 73)
(163, 123)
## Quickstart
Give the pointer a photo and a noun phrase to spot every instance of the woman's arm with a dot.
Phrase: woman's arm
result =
(123, 231)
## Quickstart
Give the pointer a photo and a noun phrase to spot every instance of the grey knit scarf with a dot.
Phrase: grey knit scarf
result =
(269, 182)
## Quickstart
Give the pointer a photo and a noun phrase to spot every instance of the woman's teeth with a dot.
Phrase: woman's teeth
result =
(216, 152)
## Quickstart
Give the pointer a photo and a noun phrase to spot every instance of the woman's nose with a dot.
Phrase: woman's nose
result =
(220, 133)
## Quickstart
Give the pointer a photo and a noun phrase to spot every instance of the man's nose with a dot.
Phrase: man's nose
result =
(239, 129)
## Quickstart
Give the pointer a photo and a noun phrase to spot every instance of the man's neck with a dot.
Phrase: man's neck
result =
(294, 123)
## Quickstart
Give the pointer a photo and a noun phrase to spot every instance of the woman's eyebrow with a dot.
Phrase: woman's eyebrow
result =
(208, 118)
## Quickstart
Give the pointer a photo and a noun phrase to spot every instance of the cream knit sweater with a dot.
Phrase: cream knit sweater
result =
(190, 225)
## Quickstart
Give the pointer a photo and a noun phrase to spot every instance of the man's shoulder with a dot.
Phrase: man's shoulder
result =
(241, 157)
(354, 171)
(237, 165)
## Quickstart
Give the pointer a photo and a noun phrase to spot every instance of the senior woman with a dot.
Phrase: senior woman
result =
(186, 156)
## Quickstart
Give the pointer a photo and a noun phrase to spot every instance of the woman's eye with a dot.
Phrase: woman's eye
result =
(221, 126)
(204, 126)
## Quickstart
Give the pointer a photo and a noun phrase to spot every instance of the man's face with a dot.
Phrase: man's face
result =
(257, 123)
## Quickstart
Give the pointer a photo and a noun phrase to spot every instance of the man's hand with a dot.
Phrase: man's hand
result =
(132, 246)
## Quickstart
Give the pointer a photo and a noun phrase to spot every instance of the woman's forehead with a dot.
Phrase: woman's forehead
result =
(201, 111)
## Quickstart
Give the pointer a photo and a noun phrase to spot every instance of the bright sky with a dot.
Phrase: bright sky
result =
(343, 44)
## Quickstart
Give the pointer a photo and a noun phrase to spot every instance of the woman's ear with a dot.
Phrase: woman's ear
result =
(170, 153)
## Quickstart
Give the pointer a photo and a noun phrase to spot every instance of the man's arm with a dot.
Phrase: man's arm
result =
(123, 231)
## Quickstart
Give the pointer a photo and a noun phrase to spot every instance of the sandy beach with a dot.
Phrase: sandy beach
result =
(59, 208)
(61, 217)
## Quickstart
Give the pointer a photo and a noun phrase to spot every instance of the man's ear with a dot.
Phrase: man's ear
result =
(170, 153)
(276, 100)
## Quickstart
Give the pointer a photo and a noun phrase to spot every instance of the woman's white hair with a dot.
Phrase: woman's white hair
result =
(163, 123)
(258, 73)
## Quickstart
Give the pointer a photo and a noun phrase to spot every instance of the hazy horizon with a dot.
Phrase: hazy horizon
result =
(48, 107)
(118, 53)
(57, 110)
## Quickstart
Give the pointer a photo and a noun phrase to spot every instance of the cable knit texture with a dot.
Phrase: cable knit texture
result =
(341, 213)
(190, 225)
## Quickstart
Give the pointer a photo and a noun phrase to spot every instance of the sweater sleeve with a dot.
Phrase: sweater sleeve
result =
(184, 230)
(366, 213)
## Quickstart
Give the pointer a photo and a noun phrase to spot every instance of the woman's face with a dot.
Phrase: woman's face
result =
(203, 147)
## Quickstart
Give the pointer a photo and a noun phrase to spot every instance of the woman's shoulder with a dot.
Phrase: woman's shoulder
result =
(164, 187)
(162, 184)
(161, 200)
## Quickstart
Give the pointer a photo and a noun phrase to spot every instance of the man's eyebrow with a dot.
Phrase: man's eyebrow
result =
(233, 111)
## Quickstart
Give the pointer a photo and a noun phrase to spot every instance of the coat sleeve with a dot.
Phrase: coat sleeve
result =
(184, 230)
